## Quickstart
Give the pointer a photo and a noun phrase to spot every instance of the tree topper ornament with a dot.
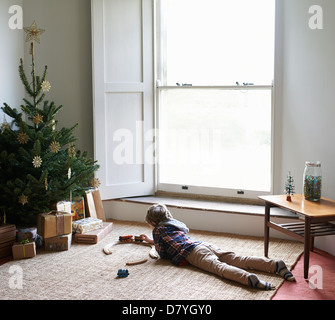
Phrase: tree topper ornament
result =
(33, 33)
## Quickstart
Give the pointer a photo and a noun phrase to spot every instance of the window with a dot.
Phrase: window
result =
(215, 63)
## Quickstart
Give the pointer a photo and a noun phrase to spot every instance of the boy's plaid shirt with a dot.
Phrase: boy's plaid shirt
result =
(173, 244)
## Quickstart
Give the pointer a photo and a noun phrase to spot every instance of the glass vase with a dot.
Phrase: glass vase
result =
(312, 181)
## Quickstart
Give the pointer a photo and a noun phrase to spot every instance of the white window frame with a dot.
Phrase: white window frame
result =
(198, 190)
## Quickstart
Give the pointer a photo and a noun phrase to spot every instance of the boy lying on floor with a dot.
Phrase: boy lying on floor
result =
(172, 242)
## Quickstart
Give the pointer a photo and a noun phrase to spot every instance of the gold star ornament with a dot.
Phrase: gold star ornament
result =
(37, 119)
(23, 199)
(5, 125)
(71, 151)
(95, 183)
(54, 147)
(37, 161)
(22, 138)
(46, 86)
(33, 33)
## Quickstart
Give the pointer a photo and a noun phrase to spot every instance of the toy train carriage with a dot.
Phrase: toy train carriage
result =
(130, 238)
(126, 238)
(138, 239)
(122, 273)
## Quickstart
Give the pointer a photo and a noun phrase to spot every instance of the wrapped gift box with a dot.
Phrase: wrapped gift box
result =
(59, 243)
(86, 225)
(54, 224)
(98, 205)
(93, 237)
(7, 232)
(26, 233)
(24, 250)
(64, 206)
(89, 205)
(7, 239)
(93, 205)
(6, 249)
(78, 208)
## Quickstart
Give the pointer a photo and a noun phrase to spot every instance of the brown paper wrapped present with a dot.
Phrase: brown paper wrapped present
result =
(59, 243)
(24, 250)
(93, 205)
(54, 224)
(93, 237)
(7, 239)
(98, 205)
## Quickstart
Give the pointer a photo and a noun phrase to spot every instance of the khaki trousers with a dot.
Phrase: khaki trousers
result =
(227, 264)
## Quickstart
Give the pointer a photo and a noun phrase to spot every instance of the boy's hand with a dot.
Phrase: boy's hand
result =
(144, 237)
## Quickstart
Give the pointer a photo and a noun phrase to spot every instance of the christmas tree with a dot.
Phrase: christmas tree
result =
(39, 165)
(289, 187)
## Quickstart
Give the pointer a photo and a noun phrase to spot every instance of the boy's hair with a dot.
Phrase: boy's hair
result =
(158, 213)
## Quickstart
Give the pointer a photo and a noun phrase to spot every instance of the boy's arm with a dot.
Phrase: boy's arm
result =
(146, 238)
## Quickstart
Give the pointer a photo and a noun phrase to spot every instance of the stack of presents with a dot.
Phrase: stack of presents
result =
(81, 221)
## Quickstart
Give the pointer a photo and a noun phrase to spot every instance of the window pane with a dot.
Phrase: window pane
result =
(218, 42)
(215, 138)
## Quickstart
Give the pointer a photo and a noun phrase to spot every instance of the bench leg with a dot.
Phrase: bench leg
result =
(266, 229)
(307, 246)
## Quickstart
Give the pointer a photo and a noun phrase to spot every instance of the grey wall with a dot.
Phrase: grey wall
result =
(306, 89)
(11, 51)
(66, 49)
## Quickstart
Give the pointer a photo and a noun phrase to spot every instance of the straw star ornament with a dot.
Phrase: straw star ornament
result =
(33, 33)
(23, 199)
(37, 119)
(37, 161)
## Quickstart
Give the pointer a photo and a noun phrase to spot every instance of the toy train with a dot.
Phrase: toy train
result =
(130, 238)
(122, 273)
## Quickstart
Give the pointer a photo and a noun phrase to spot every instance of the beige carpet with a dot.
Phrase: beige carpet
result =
(85, 272)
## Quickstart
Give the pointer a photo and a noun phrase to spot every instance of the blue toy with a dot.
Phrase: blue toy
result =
(122, 273)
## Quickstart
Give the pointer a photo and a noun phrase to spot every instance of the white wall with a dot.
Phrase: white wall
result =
(305, 101)
(306, 110)
(11, 89)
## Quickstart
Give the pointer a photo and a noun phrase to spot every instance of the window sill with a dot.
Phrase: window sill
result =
(210, 205)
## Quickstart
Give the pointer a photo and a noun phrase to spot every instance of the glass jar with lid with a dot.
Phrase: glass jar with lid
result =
(312, 181)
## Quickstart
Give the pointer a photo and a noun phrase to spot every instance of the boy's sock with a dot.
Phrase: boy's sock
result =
(256, 283)
(282, 270)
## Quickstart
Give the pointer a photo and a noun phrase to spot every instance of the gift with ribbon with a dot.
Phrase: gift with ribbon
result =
(54, 223)
(24, 250)
(59, 243)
